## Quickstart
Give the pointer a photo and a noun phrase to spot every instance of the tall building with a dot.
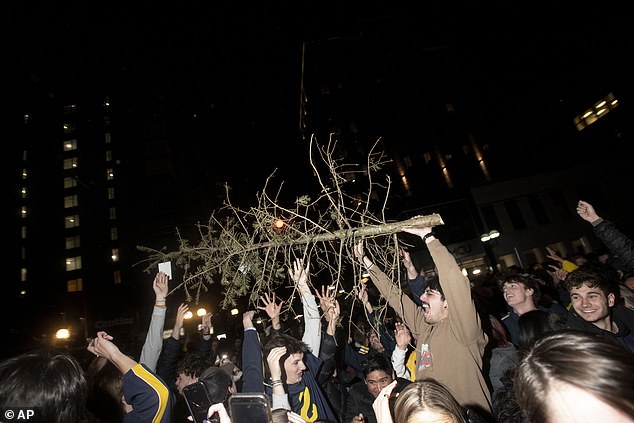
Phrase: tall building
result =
(88, 187)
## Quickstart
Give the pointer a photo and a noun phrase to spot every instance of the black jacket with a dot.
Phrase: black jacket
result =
(360, 401)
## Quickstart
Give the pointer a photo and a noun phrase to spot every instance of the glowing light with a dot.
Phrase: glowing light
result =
(234, 311)
(188, 315)
(201, 312)
(279, 223)
(62, 333)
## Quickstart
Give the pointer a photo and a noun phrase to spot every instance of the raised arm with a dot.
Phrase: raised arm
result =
(464, 319)
(147, 394)
(154, 338)
(252, 371)
(312, 320)
(172, 347)
(402, 304)
(617, 242)
(403, 338)
(415, 279)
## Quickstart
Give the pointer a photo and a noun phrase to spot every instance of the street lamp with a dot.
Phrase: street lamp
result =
(487, 239)
(488, 236)
(62, 333)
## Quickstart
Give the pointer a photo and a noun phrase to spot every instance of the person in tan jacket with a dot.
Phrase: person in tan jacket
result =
(447, 327)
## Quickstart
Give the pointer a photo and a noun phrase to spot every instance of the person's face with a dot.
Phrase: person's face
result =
(375, 342)
(434, 307)
(591, 304)
(294, 367)
(376, 381)
(567, 403)
(183, 380)
(516, 293)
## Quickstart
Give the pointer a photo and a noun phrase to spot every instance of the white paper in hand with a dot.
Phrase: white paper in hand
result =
(166, 267)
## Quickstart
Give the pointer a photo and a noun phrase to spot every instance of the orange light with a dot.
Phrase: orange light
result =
(279, 223)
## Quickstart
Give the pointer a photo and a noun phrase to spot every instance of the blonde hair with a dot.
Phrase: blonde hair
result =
(428, 397)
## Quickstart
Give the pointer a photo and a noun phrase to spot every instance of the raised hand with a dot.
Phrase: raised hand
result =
(159, 285)
(206, 322)
(558, 274)
(334, 311)
(362, 293)
(299, 275)
(552, 254)
(402, 335)
(586, 211)
(272, 309)
(326, 300)
(180, 319)
(247, 318)
(102, 346)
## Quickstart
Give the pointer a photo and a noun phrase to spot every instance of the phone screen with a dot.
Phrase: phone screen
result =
(250, 407)
(198, 401)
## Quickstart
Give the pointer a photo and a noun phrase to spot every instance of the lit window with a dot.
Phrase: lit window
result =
(24, 155)
(27, 119)
(110, 193)
(70, 182)
(71, 108)
(73, 242)
(110, 174)
(23, 274)
(108, 138)
(23, 232)
(71, 221)
(117, 277)
(113, 213)
(71, 201)
(25, 174)
(106, 102)
(114, 234)
(23, 211)
(23, 192)
(73, 263)
(70, 163)
(115, 254)
(108, 155)
(74, 285)
(70, 145)
(69, 128)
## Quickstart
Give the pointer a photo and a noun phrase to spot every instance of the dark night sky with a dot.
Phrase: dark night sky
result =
(236, 65)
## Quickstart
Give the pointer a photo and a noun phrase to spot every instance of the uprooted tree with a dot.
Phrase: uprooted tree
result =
(247, 252)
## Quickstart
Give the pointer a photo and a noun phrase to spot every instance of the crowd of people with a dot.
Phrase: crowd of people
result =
(554, 343)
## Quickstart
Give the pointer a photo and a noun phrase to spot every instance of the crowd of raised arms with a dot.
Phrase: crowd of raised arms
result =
(553, 343)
